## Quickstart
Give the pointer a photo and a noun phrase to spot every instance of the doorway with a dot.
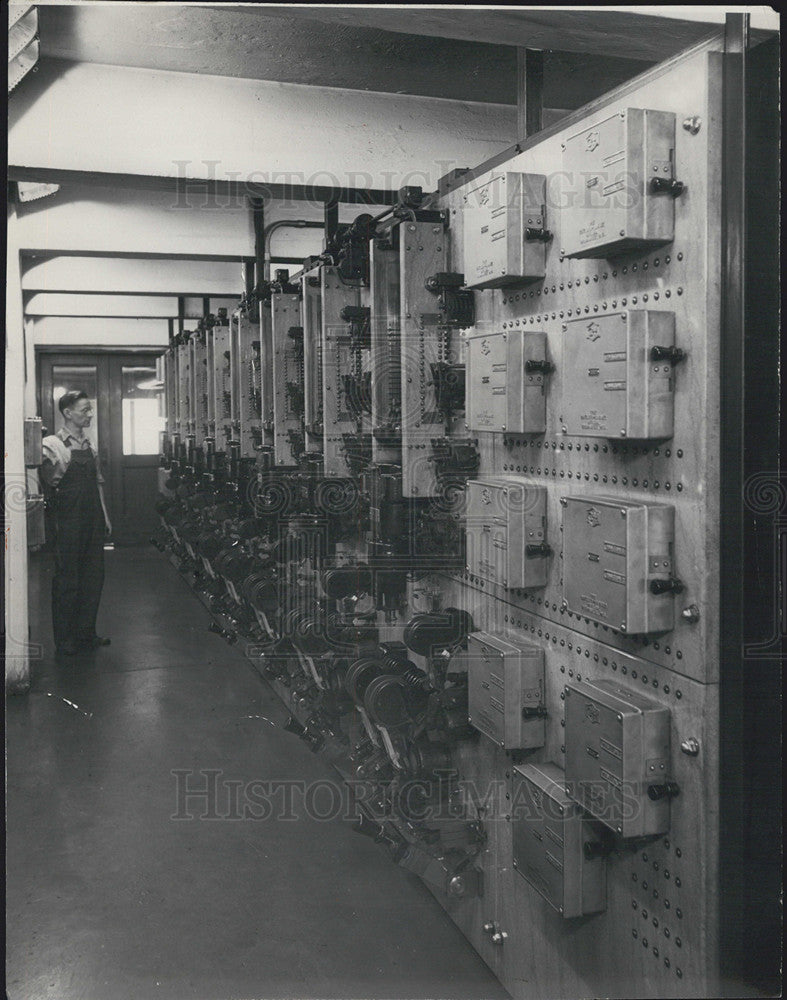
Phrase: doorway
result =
(128, 418)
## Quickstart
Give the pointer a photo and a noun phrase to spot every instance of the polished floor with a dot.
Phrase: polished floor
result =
(120, 885)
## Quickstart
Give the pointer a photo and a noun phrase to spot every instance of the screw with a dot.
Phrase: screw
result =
(690, 746)
(692, 124)
(691, 614)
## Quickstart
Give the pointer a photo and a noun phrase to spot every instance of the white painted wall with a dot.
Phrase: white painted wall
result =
(94, 331)
(86, 116)
(63, 304)
(134, 276)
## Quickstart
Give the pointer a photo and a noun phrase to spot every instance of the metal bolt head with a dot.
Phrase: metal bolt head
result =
(690, 746)
(692, 124)
(691, 614)
(622, 626)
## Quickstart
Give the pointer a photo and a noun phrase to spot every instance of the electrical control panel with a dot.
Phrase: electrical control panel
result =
(519, 432)
(618, 757)
(187, 388)
(506, 379)
(505, 683)
(311, 321)
(505, 234)
(619, 180)
(266, 368)
(288, 377)
(618, 562)
(620, 383)
(222, 374)
(346, 361)
(506, 532)
(555, 848)
(249, 385)
(199, 370)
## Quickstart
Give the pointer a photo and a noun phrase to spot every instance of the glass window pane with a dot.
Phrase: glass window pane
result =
(142, 418)
(76, 378)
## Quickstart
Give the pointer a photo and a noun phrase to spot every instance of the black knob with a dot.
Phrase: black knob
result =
(668, 586)
(538, 549)
(667, 790)
(671, 354)
(667, 185)
(542, 235)
(544, 367)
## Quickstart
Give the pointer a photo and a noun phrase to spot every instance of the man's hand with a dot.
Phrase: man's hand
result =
(107, 526)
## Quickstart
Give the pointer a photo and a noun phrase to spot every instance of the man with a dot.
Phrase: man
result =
(71, 470)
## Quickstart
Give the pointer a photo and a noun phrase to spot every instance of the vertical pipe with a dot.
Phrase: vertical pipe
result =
(262, 272)
(331, 210)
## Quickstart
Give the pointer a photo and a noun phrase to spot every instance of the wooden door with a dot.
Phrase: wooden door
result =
(128, 417)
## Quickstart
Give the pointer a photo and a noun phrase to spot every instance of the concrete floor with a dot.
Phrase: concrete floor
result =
(110, 897)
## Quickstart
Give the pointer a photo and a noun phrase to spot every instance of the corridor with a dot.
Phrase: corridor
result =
(109, 897)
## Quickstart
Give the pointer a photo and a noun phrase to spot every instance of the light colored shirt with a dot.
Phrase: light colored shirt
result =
(57, 450)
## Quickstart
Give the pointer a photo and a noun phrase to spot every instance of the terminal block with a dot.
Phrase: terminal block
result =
(618, 757)
(506, 380)
(506, 532)
(620, 383)
(621, 182)
(554, 845)
(618, 562)
(506, 690)
(504, 230)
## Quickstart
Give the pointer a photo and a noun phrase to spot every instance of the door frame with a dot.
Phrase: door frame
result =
(108, 402)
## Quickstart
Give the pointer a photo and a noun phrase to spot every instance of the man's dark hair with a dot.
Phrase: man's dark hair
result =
(70, 399)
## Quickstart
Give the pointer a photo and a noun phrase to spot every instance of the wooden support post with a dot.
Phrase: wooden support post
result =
(530, 92)
(18, 649)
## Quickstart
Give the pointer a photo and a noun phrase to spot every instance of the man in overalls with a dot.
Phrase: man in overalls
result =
(71, 470)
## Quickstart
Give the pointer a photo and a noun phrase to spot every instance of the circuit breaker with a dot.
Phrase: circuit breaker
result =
(505, 683)
(506, 381)
(620, 184)
(618, 757)
(506, 532)
(620, 383)
(618, 562)
(504, 230)
(549, 836)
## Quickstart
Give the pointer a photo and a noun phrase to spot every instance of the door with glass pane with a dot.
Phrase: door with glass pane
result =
(128, 417)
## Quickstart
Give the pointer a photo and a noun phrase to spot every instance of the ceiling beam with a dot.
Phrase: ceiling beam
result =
(602, 31)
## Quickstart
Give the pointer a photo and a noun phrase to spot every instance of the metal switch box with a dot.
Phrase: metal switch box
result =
(506, 532)
(612, 388)
(506, 690)
(618, 757)
(503, 395)
(504, 230)
(549, 834)
(620, 175)
(618, 562)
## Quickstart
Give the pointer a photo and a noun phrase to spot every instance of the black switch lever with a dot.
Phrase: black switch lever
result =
(669, 586)
(667, 185)
(534, 712)
(668, 790)
(544, 367)
(541, 235)
(672, 354)
(538, 549)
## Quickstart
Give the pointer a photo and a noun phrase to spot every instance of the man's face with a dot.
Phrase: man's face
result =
(81, 413)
